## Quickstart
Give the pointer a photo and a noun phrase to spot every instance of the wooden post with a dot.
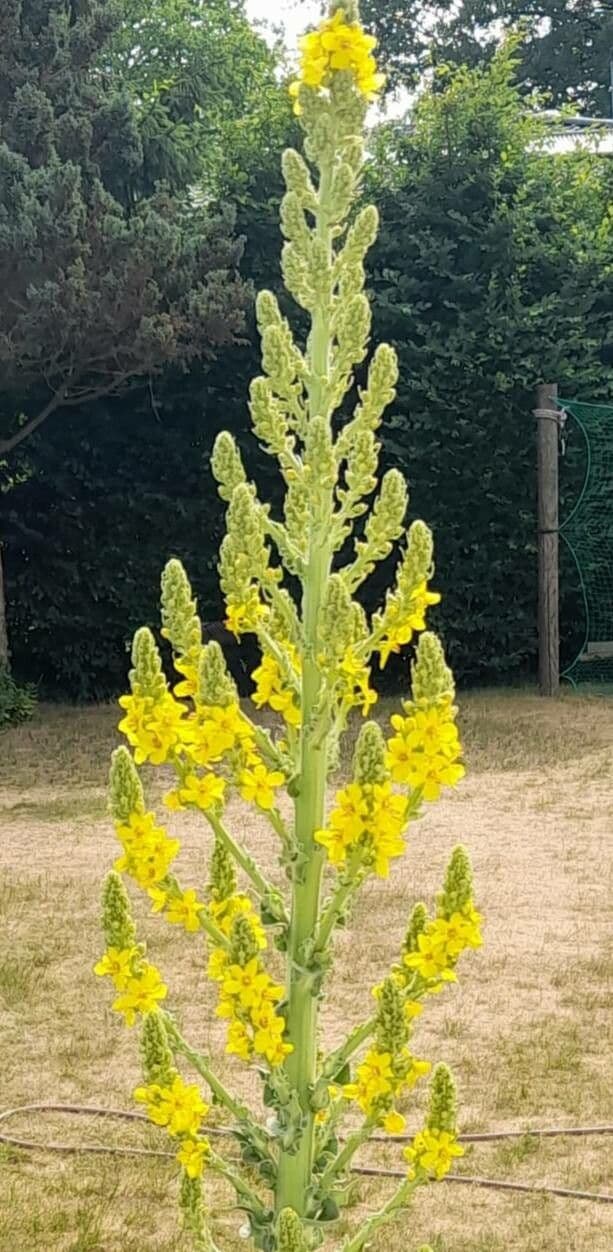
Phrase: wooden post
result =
(548, 428)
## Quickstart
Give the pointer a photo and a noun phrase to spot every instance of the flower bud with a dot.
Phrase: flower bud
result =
(227, 465)
(215, 683)
(244, 941)
(458, 889)
(443, 1103)
(125, 787)
(417, 924)
(119, 929)
(392, 1032)
(146, 676)
(319, 453)
(291, 1236)
(369, 757)
(156, 1055)
(336, 618)
(180, 621)
(222, 883)
(431, 677)
(298, 179)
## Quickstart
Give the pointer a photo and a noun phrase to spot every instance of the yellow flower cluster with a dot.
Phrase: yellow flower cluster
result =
(180, 908)
(180, 1108)
(148, 852)
(369, 818)
(433, 1152)
(248, 999)
(271, 687)
(380, 1078)
(443, 941)
(353, 683)
(224, 914)
(154, 728)
(337, 46)
(139, 983)
(400, 628)
(424, 753)
(244, 618)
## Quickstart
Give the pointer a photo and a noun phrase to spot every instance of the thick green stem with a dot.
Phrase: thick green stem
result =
(295, 1168)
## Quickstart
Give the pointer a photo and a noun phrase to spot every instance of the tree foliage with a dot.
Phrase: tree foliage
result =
(97, 292)
(203, 83)
(566, 51)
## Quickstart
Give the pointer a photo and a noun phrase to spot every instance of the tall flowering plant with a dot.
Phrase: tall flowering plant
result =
(268, 949)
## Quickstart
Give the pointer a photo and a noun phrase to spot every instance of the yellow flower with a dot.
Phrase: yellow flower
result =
(193, 1155)
(141, 994)
(430, 960)
(394, 1123)
(432, 773)
(250, 984)
(258, 785)
(179, 1107)
(338, 46)
(351, 811)
(185, 910)
(204, 792)
(159, 899)
(217, 965)
(117, 964)
(188, 667)
(434, 1152)
(374, 1078)
(238, 1041)
(268, 1040)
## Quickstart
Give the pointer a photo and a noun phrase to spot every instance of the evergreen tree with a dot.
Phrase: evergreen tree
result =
(101, 287)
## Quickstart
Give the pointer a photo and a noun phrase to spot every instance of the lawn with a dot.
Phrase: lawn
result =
(526, 1030)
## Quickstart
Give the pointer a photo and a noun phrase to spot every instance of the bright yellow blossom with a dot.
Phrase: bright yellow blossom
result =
(434, 1152)
(204, 792)
(193, 1156)
(185, 910)
(179, 1107)
(117, 963)
(258, 785)
(339, 46)
(394, 1123)
(141, 994)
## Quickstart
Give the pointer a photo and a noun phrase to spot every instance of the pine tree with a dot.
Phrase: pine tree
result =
(101, 286)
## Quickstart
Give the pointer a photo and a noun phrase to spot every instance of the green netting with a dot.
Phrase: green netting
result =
(588, 533)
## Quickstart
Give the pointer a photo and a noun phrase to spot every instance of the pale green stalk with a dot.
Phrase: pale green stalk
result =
(264, 889)
(239, 1111)
(353, 1145)
(295, 1170)
(394, 1206)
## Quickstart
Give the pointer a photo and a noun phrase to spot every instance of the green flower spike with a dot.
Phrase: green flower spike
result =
(431, 677)
(458, 889)
(222, 883)
(180, 621)
(119, 929)
(443, 1101)
(125, 787)
(146, 676)
(215, 683)
(158, 1066)
(369, 759)
(291, 1236)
